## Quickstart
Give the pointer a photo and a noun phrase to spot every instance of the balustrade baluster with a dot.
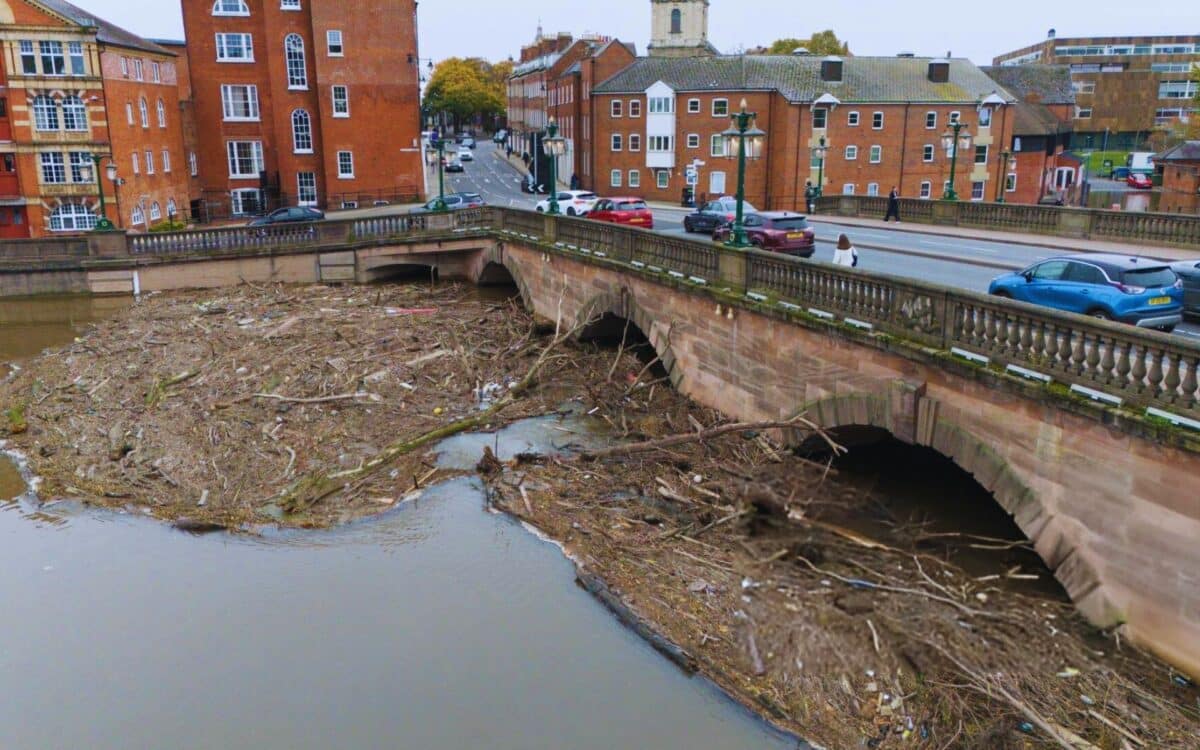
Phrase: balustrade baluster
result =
(1093, 357)
(1154, 377)
(1027, 336)
(1172, 377)
(1107, 360)
(1077, 352)
(990, 331)
(1013, 339)
(1138, 372)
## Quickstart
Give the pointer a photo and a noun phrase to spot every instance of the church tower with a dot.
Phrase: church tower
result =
(679, 28)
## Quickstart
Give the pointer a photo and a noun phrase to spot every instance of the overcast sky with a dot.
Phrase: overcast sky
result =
(496, 29)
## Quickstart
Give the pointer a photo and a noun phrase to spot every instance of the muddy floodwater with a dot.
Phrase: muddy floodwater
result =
(437, 625)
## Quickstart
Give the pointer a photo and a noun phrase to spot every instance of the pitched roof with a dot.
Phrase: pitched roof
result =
(1186, 151)
(107, 33)
(1039, 84)
(864, 79)
(1037, 119)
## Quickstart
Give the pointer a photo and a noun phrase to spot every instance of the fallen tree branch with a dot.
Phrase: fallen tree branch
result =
(291, 400)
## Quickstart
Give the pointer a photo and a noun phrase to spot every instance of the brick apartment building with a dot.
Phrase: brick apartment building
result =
(584, 64)
(1039, 168)
(882, 120)
(77, 86)
(187, 119)
(1125, 86)
(528, 89)
(1180, 167)
(313, 103)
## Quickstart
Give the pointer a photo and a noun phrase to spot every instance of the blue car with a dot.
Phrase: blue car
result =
(1138, 291)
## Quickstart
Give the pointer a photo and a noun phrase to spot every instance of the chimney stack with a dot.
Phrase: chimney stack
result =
(939, 71)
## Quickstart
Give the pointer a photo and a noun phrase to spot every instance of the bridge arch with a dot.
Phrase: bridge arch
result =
(621, 305)
(1059, 541)
(494, 266)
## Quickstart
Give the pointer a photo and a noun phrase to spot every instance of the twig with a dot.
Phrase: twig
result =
(896, 589)
(874, 635)
(692, 437)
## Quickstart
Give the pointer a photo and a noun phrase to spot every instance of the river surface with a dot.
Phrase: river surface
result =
(437, 625)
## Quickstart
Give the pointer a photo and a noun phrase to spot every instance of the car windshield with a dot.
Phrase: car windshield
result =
(631, 206)
(790, 223)
(472, 197)
(586, 197)
(1149, 277)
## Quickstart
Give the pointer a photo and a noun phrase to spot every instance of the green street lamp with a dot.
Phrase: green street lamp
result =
(955, 137)
(748, 139)
(818, 152)
(86, 175)
(434, 155)
(556, 146)
(1005, 158)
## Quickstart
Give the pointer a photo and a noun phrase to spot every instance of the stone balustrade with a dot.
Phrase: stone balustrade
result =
(1087, 223)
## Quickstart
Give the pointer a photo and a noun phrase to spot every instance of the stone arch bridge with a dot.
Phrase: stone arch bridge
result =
(1088, 433)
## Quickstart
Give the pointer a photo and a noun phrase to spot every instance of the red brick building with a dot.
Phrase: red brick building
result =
(1039, 168)
(52, 119)
(881, 119)
(141, 86)
(528, 88)
(311, 103)
(1181, 178)
(584, 64)
(187, 119)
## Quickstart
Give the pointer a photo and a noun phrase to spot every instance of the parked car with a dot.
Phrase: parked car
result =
(1139, 291)
(469, 142)
(464, 154)
(629, 211)
(289, 215)
(1139, 181)
(455, 165)
(712, 215)
(570, 202)
(777, 231)
(454, 202)
(1189, 274)
(500, 136)
(1121, 173)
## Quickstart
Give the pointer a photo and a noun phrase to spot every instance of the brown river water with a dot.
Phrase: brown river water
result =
(437, 625)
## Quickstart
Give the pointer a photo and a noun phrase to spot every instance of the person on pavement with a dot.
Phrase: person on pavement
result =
(810, 194)
(845, 254)
(893, 206)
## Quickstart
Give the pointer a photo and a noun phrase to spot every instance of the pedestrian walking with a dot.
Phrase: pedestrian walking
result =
(893, 206)
(810, 194)
(845, 254)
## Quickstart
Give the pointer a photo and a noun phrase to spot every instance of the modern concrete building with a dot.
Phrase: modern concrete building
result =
(304, 103)
(1125, 86)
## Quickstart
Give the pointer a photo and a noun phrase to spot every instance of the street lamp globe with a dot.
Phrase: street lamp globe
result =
(732, 138)
(964, 140)
(754, 140)
(85, 173)
(111, 172)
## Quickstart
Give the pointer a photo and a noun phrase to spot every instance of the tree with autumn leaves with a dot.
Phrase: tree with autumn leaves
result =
(468, 90)
(821, 43)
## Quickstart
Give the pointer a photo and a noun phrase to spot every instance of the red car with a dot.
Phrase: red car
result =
(1139, 181)
(629, 211)
(777, 231)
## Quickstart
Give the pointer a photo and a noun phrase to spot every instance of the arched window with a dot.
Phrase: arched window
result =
(155, 211)
(293, 48)
(676, 21)
(230, 8)
(301, 132)
(144, 111)
(74, 114)
(136, 216)
(72, 217)
(45, 113)
(162, 114)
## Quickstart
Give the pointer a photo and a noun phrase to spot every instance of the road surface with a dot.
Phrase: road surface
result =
(963, 263)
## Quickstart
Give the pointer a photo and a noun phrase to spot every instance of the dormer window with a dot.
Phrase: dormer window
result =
(230, 8)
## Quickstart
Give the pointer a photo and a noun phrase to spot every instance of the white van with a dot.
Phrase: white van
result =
(1140, 162)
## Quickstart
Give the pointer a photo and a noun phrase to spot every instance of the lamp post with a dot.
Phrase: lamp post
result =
(554, 145)
(747, 138)
(85, 173)
(433, 155)
(1005, 158)
(956, 134)
(818, 152)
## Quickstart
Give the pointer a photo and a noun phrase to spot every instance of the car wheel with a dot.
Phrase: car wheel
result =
(1100, 315)
(687, 226)
(571, 212)
(540, 210)
(1002, 294)
(1167, 329)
